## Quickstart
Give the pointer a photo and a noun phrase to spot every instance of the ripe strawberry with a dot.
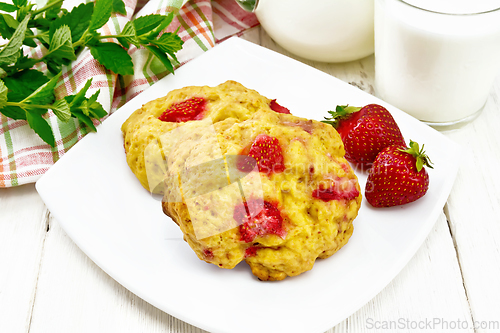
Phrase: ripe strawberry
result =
(266, 151)
(278, 108)
(398, 176)
(365, 131)
(267, 221)
(190, 109)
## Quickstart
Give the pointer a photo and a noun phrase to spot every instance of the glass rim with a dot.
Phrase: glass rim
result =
(445, 13)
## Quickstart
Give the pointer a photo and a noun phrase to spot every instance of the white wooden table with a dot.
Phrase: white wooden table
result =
(48, 285)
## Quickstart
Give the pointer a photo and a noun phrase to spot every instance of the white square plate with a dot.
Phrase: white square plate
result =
(103, 208)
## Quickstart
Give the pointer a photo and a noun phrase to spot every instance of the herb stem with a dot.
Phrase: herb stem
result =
(82, 39)
(47, 7)
(23, 105)
(37, 36)
(114, 36)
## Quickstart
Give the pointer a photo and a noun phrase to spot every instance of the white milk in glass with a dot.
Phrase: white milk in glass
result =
(437, 63)
(322, 30)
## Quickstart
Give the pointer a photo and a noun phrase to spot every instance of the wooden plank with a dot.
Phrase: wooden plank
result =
(23, 225)
(428, 294)
(75, 295)
(474, 212)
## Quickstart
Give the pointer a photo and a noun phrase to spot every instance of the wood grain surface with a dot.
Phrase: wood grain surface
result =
(47, 284)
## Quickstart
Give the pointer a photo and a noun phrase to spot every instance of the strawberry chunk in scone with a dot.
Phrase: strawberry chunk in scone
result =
(266, 151)
(267, 222)
(278, 108)
(335, 193)
(190, 109)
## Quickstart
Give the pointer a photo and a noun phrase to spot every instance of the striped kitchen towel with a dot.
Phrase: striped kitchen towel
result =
(24, 157)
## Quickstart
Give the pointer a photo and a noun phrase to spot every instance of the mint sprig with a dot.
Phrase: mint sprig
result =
(26, 93)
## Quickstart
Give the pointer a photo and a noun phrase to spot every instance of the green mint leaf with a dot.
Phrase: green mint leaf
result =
(54, 67)
(53, 12)
(29, 41)
(129, 31)
(91, 108)
(145, 24)
(78, 21)
(84, 119)
(8, 25)
(61, 110)
(20, 3)
(25, 10)
(168, 19)
(14, 112)
(11, 22)
(44, 38)
(24, 83)
(102, 13)
(84, 108)
(20, 85)
(169, 43)
(6, 7)
(60, 44)
(76, 99)
(22, 63)
(119, 7)
(3, 94)
(10, 53)
(5, 30)
(161, 56)
(41, 127)
(95, 108)
(79, 104)
(41, 22)
(44, 94)
(113, 57)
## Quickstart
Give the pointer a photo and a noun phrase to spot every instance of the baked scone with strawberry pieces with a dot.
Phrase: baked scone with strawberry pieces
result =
(251, 185)
(227, 100)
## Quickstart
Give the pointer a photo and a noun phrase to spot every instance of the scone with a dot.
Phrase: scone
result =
(245, 182)
(229, 100)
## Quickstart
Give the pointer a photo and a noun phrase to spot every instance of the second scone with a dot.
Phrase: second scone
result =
(256, 185)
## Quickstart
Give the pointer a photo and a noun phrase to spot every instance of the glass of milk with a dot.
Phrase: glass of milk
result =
(437, 59)
(321, 30)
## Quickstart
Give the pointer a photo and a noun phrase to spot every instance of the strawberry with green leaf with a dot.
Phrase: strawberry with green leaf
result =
(365, 131)
(398, 176)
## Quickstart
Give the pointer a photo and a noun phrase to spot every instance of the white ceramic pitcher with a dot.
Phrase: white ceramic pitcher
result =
(322, 30)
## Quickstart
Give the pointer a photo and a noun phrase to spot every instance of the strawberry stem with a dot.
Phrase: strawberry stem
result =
(419, 154)
(341, 112)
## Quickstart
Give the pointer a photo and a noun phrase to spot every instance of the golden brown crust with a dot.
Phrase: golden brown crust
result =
(203, 203)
